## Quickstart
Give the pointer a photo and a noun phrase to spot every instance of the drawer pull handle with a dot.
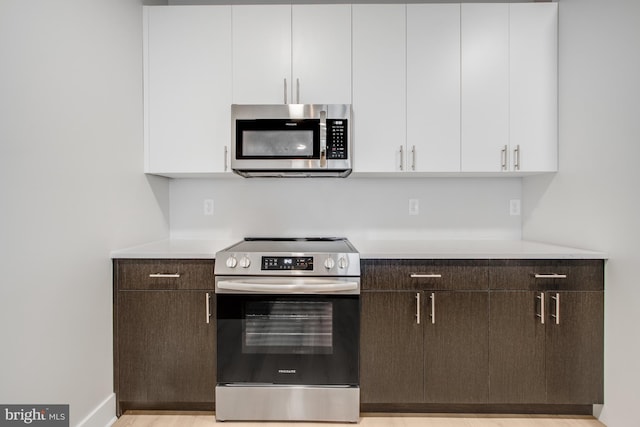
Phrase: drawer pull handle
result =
(551, 276)
(426, 276)
(418, 308)
(158, 275)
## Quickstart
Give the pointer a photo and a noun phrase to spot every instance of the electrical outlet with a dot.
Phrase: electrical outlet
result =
(514, 207)
(414, 206)
(208, 207)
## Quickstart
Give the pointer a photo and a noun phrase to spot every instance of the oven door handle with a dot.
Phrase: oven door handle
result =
(288, 287)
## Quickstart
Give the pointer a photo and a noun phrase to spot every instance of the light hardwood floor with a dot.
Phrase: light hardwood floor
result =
(204, 419)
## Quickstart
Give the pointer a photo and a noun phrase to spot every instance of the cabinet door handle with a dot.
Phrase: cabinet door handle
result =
(516, 158)
(557, 313)
(164, 275)
(541, 315)
(285, 91)
(226, 158)
(503, 158)
(401, 158)
(297, 91)
(418, 308)
(413, 158)
(433, 308)
(550, 276)
(425, 276)
(207, 302)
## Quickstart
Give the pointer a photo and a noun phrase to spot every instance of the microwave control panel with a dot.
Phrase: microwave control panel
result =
(337, 139)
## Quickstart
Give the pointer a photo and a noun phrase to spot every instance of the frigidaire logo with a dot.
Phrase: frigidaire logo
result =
(286, 371)
(38, 415)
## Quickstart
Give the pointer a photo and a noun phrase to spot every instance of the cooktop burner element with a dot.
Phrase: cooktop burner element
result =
(289, 256)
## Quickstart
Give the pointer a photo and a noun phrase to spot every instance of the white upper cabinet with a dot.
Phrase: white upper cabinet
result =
(485, 86)
(291, 54)
(261, 53)
(379, 88)
(533, 101)
(433, 88)
(187, 90)
(509, 87)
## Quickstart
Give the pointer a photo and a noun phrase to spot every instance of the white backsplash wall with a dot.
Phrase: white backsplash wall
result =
(358, 208)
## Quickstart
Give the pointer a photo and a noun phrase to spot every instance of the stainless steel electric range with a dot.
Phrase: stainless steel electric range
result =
(288, 315)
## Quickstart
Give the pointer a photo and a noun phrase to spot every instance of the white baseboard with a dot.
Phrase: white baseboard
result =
(104, 415)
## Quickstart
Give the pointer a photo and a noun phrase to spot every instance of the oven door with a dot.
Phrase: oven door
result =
(292, 339)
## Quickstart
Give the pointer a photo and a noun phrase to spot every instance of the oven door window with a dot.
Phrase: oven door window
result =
(282, 339)
(278, 139)
(288, 327)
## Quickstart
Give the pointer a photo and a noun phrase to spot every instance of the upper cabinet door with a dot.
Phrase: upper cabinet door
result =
(261, 54)
(485, 87)
(321, 48)
(379, 86)
(433, 87)
(187, 71)
(533, 69)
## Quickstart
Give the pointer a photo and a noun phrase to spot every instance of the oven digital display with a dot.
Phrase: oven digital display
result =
(287, 263)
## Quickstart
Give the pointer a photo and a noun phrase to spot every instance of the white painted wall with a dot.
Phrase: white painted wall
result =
(594, 201)
(358, 208)
(71, 190)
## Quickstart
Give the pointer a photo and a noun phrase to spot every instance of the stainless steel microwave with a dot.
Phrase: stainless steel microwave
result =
(291, 140)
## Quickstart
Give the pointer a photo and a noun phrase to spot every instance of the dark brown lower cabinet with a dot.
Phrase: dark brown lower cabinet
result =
(164, 334)
(517, 348)
(166, 350)
(546, 347)
(574, 347)
(456, 352)
(391, 345)
(441, 359)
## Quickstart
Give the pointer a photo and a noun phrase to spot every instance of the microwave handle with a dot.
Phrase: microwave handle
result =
(323, 139)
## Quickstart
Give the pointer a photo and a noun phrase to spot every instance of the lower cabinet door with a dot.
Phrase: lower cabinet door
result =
(165, 348)
(575, 347)
(517, 347)
(456, 347)
(391, 348)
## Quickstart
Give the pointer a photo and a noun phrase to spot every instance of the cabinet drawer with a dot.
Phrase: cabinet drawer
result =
(409, 274)
(540, 275)
(161, 274)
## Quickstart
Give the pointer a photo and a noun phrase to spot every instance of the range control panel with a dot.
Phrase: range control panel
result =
(337, 139)
(278, 263)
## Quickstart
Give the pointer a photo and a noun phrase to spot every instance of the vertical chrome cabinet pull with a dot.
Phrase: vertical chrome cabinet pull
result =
(208, 305)
(297, 91)
(503, 157)
(516, 158)
(433, 308)
(541, 315)
(401, 158)
(557, 313)
(285, 91)
(226, 160)
(417, 308)
(413, 158)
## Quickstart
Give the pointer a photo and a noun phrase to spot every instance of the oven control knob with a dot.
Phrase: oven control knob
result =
(232, 262)
(342, 263)
(245, 262)
(329, 263)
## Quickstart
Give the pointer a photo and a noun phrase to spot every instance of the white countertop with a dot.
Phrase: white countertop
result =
(371, 249)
